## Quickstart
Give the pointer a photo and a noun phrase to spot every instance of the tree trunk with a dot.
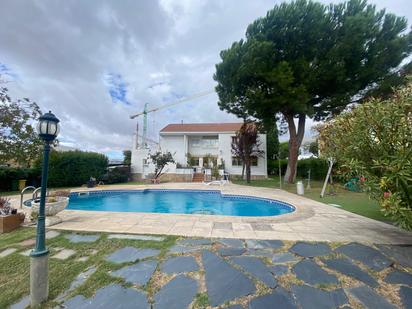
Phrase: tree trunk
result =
(248, 172)
(295, 141)
(243, 170)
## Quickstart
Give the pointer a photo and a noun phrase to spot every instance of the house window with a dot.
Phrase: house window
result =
(254, 161)
(196, 143)
(234, 139)
(210, 141)
(236, 161)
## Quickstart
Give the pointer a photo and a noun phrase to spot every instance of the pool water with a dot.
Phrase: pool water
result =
(178, 202)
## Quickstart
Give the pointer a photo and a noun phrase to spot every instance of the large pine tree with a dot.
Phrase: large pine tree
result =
(306, 59)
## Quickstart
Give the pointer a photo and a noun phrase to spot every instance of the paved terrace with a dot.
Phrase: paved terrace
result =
(312, 221)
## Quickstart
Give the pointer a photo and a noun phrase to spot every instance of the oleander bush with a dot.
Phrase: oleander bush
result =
(373, 141)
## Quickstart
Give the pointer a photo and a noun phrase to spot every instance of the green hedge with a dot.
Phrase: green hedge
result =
(74, 168)
(318, 168)
(9, 177)
(117, 174)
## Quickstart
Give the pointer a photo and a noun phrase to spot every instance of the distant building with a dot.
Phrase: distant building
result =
(196, 148)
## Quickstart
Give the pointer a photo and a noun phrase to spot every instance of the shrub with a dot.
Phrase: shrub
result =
(373, 141)
(9, 177)
(74, 168)
(117, 175)
(318, 168)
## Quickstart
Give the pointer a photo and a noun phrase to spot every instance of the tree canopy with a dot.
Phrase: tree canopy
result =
(305, 58)
(19, 142)
(246, 145)
(160, 160)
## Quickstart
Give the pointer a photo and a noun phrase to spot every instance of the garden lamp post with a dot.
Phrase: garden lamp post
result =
(47, 128)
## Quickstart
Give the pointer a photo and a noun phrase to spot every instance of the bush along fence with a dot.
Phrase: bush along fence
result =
(318, 168)
(10, 176)
(74, 168)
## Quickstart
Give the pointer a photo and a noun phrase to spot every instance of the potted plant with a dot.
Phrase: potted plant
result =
(9, 218)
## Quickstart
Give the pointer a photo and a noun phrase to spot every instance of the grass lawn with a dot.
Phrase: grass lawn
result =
(358, 203)
(14, 268)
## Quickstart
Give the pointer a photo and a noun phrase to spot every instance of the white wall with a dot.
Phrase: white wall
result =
(176, 145)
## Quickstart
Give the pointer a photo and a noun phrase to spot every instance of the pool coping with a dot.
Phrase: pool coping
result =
(311, 221)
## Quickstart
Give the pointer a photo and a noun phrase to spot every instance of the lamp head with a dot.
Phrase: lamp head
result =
(48, 127)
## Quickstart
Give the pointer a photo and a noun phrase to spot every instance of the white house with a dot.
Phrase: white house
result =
(196, 147)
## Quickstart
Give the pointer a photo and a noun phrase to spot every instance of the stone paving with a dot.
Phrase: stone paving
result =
(312, 221)
(288, 275)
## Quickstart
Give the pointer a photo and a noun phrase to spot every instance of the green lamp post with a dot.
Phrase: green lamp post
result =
(47, 128)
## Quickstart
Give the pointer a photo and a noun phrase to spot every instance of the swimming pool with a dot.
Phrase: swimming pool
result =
(178, 202)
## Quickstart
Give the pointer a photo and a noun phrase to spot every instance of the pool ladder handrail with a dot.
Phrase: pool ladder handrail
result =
(34, 194)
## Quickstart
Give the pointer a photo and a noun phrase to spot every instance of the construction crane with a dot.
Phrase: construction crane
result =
(147, 111)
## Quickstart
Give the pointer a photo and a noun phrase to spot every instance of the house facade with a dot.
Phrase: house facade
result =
(197, 148)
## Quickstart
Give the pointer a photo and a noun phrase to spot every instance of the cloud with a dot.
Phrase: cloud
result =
(94, 63)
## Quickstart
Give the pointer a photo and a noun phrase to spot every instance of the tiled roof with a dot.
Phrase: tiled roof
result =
(201, 127)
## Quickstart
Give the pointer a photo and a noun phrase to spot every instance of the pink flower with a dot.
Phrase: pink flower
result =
(386, 194)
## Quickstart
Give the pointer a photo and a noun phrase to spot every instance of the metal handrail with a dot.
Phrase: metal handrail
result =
(35, 195)
(22, 192)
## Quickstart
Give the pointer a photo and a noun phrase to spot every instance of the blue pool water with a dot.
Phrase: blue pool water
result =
(178, 202)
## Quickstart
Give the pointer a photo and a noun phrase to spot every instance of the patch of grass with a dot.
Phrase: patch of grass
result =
(5, 193)
(12, 239)
(15, 268)
(355, 202)
(201, 301)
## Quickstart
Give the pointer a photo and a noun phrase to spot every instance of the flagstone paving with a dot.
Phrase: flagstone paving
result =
(179, 264)
(282, 298)
(7, 252)
(52, 234)
(310, 250)
(135, 237)
(282, 258)
(346, 267)
(366, 255)
(76, 238)
(231, 242)
(176, 294)
(256, 268)
(399, 277)
(64, 254)
(369, 298)
(80, 279)
(406, 296)
(229, 251)
(279, 270)
(111, 296)
(131, 254)
(137, 274)
(402, 254)
(313, 298)
(311, 273)
(223, 282)
(239, 274)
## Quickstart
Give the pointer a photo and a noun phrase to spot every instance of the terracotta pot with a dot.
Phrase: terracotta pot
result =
(51, 208)
(10, 222)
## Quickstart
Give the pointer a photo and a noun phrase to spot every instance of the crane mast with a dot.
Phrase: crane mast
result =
(146, 111)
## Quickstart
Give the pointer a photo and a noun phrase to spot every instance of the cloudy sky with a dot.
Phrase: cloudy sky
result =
(93, 63)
